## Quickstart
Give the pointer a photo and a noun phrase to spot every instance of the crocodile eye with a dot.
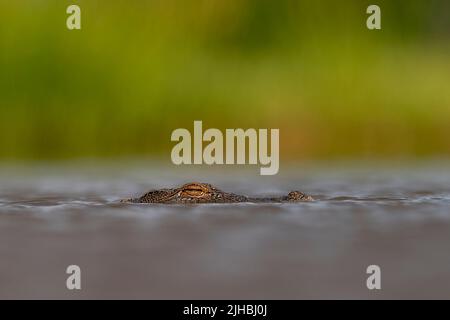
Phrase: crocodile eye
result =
(193, 193)
(193, 190)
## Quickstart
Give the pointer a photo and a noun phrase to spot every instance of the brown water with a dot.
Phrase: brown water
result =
(395, 217)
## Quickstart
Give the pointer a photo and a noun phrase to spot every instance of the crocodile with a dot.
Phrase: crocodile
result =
(196, 192)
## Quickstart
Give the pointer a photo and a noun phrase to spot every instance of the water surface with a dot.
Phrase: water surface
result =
(397, 217)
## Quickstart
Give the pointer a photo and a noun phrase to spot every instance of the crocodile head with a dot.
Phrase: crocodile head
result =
(194, 192)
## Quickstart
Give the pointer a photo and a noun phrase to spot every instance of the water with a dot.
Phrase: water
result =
(397, 217)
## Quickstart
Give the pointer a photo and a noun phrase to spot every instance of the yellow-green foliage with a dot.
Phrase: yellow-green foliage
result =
(139, 69)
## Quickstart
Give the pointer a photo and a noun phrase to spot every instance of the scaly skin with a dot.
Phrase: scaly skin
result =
(196, 192)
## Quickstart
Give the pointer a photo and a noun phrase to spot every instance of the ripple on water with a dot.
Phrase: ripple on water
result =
(394, 219)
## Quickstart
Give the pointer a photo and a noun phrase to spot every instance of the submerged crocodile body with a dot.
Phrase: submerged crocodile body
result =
(205, 193)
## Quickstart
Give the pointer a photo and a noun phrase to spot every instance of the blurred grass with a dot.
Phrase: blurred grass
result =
(139, 69)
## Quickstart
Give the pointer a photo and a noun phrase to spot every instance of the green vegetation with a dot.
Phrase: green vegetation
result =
(139, 69)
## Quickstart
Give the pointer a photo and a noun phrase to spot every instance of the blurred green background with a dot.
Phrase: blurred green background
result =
(139, 69)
